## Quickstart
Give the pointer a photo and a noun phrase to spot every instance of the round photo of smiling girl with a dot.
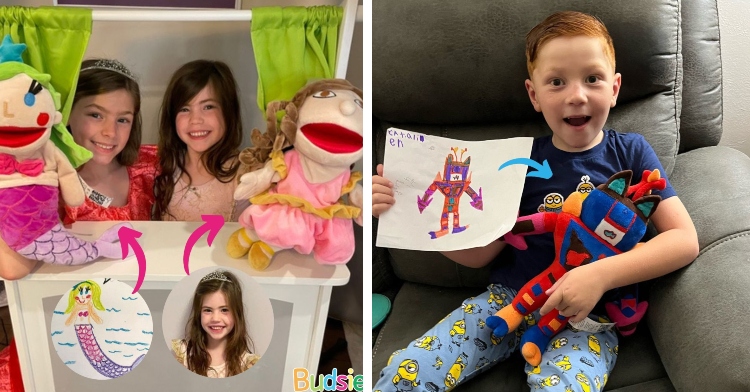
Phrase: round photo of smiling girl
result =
(226, 326)
(100, 329)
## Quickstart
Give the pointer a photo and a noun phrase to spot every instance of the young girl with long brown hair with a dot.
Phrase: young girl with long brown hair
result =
(200, 134)
(217, 343)
(106, 120)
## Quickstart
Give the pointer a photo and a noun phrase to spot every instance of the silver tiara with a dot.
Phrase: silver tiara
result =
(111, 65)
(216, 275)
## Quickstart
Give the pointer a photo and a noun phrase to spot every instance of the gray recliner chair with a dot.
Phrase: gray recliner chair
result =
(456, 69)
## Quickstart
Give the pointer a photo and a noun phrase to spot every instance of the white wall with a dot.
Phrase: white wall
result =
(735, 58)
(143, 47)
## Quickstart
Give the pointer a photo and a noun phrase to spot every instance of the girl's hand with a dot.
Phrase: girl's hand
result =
(382, 193)
(575, 294)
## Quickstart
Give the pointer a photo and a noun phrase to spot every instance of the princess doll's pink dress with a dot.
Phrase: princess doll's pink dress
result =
(306, 216)
(140, 194)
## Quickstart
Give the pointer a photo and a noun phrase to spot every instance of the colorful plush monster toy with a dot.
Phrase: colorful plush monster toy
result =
(32, 169)
(296, 194)
(590, 227)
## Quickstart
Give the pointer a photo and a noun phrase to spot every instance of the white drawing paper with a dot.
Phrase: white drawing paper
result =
(100, 329)
(486, 199)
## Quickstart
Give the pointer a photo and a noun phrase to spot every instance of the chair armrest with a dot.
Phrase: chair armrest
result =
(699, 321)
(697, 315)
(713, 183)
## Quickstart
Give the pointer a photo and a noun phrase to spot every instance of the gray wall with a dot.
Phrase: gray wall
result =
(735, 56)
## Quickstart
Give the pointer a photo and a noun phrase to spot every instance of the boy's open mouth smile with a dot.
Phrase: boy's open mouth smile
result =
(577, 121)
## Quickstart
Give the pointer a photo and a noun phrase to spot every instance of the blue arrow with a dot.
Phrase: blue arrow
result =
(542, 170)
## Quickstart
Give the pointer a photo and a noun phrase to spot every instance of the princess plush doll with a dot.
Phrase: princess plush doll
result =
(303, 171)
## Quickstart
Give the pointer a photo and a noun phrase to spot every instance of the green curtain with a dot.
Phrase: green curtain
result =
(56, 39)
(293, 45)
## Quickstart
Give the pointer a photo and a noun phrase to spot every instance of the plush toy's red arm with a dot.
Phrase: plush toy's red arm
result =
(541, 222)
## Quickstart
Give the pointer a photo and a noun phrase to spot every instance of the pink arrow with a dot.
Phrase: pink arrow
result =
(213, 224)
(129, 238)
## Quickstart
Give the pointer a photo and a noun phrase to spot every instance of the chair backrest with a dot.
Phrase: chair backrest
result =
(701, 117)
(457, 69)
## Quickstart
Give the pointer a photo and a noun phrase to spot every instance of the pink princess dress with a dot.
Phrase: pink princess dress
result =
(212, 198)
(140, 194)
(305, 216)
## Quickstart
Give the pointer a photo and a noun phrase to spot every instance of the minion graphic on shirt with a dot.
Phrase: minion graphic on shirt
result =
(552, 203)
(585, 186)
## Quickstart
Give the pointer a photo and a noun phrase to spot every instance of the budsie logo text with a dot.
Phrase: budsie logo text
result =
(304, 381)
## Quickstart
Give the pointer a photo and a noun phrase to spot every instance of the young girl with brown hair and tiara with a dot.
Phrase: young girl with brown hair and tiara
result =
(199, 138)
(217, 343)
(118, 180)
(106, 120)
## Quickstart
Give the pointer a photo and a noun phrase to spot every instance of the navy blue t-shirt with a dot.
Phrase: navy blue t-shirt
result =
(572, 171)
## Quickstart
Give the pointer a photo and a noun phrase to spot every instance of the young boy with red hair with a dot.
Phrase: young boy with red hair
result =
(573, 83)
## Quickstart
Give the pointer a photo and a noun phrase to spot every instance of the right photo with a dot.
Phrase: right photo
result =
(544, 195)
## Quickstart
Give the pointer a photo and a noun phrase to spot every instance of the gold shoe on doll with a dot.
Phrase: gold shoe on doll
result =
(260, 255)
(236, 247)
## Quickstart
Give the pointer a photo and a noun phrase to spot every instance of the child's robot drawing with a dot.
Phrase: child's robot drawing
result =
(452, 184)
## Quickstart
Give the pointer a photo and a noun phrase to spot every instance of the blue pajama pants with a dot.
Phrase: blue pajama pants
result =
(461, 346)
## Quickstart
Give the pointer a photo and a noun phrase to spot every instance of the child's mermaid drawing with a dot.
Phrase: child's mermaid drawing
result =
(83, 302)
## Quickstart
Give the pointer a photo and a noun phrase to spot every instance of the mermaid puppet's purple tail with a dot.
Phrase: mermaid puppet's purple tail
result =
(59, 246)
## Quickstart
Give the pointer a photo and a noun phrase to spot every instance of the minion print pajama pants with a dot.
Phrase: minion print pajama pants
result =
(461, 346)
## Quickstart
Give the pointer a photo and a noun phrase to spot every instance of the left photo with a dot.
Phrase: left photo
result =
(189, 172)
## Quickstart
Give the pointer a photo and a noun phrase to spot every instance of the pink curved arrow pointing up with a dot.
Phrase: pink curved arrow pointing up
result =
(129, 238)
(213, 224)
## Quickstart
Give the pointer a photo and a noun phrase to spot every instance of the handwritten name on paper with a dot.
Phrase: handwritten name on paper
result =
(396, 137)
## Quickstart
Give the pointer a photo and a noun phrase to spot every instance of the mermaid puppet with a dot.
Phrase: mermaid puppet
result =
(34, 172)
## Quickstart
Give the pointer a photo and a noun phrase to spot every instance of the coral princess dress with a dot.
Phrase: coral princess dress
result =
(140, 194)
